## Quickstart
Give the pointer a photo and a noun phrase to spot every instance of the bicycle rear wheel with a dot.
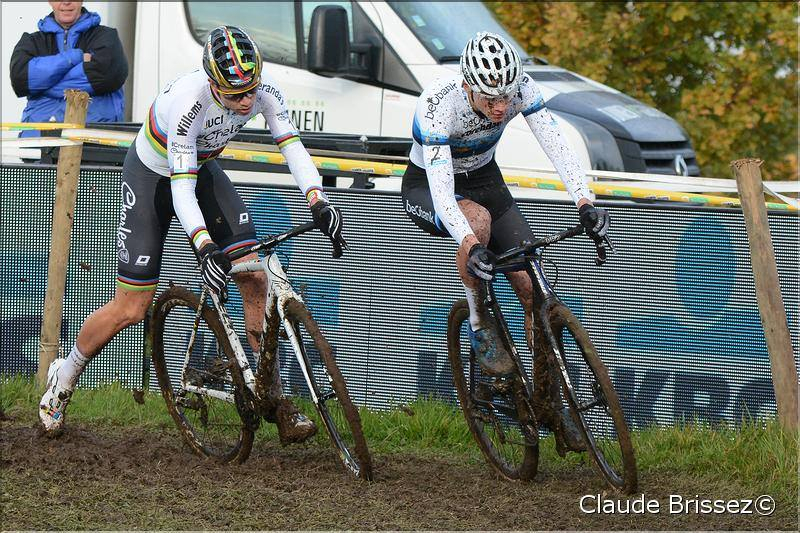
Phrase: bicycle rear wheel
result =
(500, 418)
(593, 401)
(207, 398)
(339, 416)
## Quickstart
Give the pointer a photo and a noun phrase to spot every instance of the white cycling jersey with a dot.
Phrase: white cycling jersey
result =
(187, 126)
(451, 137)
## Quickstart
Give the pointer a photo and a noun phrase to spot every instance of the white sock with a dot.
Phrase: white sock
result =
(478, 316)
(73, 366)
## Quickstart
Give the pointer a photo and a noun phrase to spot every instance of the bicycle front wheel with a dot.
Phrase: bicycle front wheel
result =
(500, 418)
(339, 416)
(593, 401)
(206, 396)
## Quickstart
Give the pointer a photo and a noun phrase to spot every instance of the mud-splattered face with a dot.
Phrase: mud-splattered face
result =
(493, 107)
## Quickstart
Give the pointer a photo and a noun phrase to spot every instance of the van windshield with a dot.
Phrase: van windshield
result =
(445, 27)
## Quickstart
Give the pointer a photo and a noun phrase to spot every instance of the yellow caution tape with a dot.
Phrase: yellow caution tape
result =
(39, 126)
(394, 169)
(326, 163)
(618, 191)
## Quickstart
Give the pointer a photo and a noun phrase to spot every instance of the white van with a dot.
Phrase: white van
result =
(359, 69)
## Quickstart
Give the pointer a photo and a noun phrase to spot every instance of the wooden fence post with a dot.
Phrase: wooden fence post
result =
(69, 166)
(768, 291)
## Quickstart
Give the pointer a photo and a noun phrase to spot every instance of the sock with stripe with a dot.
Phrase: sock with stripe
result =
(72, 368)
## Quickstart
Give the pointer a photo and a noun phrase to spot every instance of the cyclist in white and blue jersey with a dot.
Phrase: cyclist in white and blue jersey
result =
(171, 170)
(453, 186)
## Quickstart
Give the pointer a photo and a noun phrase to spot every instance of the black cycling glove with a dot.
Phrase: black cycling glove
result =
(328, 219)
(214, 267)
(595, 220)
(481, 262)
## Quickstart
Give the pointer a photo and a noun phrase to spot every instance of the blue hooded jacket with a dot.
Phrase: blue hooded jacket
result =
(49, 61)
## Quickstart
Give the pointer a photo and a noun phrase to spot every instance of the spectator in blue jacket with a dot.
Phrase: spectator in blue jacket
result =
(71, 50)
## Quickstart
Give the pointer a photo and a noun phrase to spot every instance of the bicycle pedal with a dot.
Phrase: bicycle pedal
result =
(483, 392)
(192, 377)
(502, 385)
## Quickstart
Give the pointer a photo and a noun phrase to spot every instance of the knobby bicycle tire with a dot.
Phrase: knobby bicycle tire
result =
(525, 467)
(238, 441)
(561, 318)
(357, 460)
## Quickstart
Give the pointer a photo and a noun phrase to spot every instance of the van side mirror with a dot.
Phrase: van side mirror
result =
(329, 41)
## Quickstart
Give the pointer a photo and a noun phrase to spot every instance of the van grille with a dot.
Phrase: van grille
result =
(659, 157)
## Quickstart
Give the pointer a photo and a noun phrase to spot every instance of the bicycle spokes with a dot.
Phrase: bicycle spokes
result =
(589, 391)
(501, 424)
(199, 375)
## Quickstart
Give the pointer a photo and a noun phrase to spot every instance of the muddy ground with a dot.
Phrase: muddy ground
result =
(108, 478)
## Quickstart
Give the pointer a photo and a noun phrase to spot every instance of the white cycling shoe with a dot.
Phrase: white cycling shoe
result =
(53, 405)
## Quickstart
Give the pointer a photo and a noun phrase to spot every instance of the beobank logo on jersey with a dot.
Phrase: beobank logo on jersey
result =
(436, 98)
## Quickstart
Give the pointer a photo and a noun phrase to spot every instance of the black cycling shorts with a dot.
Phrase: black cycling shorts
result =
(147, 211)
(484, 186)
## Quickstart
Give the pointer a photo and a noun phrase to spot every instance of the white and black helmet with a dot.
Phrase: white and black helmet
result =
(491, 65)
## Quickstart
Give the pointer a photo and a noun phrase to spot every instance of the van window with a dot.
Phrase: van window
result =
(445, 27)
(384, 63)
(271, 25)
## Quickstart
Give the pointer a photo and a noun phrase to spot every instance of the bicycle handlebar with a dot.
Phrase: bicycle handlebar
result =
(603, 246)
(270, 242)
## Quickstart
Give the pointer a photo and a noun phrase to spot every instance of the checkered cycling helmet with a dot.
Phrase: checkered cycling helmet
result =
(491, 65)
(232, 60)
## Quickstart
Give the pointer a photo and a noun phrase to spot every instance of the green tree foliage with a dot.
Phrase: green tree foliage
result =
(726, 71)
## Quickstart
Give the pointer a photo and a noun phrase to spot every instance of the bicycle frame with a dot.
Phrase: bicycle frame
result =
(279, 293)
(528, 257)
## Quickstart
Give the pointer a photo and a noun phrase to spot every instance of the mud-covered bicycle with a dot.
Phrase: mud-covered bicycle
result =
(211, 391)
(504, 413)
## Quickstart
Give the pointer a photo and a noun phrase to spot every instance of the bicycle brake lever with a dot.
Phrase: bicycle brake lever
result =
(338, 247)
(604, 247)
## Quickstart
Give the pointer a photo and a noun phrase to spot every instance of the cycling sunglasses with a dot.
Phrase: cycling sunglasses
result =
(494, 100)
(237, 97)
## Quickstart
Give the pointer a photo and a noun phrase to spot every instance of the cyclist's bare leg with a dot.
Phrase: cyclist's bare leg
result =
(549, 407)
(521, 283)
(127, 308)
(293, 426)
(253, 288)
(481, 223)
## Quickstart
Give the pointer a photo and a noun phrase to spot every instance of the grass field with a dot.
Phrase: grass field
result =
(747, 462)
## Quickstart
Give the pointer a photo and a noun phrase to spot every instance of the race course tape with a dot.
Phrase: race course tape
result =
(378, 168)
(39, 126)
(642, 193)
